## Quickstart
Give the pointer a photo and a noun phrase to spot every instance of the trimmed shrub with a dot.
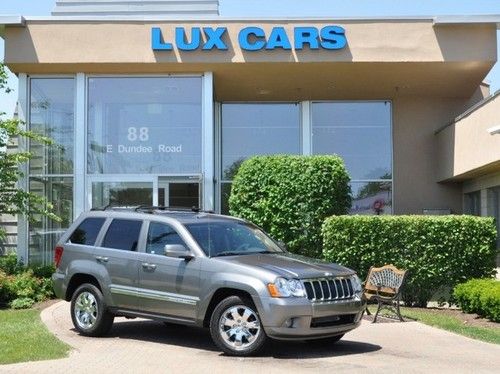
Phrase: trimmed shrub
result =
(438, 251)
(290, 196)
(480, 296)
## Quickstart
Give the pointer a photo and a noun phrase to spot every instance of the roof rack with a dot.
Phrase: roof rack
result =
(152, 208)
(112, 206)
(170, 209)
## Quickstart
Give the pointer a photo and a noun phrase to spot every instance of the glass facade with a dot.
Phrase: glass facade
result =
(144, 125)
(51, 168)
(360, 133)
(473, 203)
(145, 144)
(255, 129)
(493, 205)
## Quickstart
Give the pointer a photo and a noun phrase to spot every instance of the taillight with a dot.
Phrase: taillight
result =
(58, 252)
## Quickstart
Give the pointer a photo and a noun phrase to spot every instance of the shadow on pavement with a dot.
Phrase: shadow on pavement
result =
(197, 338)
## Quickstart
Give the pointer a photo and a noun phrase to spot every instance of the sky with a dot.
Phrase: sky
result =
(250, 8)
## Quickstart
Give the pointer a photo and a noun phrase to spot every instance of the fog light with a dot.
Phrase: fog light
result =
(290, 322)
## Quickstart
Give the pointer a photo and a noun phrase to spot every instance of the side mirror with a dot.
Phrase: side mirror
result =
(178, 251)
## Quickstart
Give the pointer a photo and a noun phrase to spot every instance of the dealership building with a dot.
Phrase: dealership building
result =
(158, 103)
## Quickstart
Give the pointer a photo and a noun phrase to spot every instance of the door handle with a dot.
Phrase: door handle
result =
(146, 265)
(101, 259)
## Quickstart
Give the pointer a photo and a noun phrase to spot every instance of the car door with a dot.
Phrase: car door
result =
(167, 285)
(116, 257)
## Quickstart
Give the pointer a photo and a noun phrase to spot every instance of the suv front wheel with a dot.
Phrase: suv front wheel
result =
(88, 311)
(236, 328)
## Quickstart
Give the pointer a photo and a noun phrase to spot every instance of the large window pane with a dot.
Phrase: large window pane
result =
(359, 132)
(43, 232)
(52, 115)
(257, 129)
(473, 203)
(493, 195)
(225, 191)
(144, 125)
(371, 198)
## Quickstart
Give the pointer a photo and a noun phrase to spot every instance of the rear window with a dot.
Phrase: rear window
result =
(123, 234)
(86, 233)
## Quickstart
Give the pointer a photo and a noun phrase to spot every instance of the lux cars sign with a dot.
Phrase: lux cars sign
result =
(250, 38)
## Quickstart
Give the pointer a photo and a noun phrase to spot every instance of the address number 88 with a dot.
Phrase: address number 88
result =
(141, 133)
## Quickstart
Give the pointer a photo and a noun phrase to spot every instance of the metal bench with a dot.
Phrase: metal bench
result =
(384, 285)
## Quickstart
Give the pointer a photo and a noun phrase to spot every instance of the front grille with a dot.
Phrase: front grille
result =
(328, 289)
(330, 321)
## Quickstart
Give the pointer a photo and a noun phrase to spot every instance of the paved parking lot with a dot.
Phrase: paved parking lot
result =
(137, 346)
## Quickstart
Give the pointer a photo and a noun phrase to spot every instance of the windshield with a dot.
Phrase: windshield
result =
(231, 238)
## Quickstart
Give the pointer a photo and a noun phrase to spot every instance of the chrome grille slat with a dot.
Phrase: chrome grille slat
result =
(329, 289)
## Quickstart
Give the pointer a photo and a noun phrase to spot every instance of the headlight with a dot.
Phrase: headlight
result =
(356, 284)
(286, 288)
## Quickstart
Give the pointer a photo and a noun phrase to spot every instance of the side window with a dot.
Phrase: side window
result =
(159, 235)
(123, 234)
(86, 233)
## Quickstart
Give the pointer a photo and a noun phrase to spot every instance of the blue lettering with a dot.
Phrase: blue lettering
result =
(180, 39)
(278, 39)
(157, 43)
(257, 33)
(214, 38)
(306, 35)
(333, 37)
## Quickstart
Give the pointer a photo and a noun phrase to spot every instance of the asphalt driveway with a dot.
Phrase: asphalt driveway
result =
(138, 346)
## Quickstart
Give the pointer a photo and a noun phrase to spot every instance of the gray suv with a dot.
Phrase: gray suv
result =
(200, 269)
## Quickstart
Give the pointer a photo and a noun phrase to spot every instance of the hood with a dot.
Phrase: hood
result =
(289, 265)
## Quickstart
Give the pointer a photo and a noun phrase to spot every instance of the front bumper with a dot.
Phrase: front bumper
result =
(299, 318)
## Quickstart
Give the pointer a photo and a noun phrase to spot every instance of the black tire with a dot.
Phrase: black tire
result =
(103, 319)
(222, 308)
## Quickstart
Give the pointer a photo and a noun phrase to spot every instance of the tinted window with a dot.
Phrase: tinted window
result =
(86, 233)
(160, 235)
(123, 234)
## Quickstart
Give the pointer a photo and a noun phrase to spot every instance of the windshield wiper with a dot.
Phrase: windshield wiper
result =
(228, 253)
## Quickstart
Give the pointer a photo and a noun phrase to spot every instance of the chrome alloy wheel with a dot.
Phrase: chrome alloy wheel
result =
(86, 310)
(239, 327)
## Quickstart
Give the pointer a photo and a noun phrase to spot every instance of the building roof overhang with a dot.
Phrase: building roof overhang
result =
(18, 20)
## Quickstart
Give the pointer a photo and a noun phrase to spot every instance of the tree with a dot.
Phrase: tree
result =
(14, 199)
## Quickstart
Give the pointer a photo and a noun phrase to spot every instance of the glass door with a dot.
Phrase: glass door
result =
(179, 192)
(121, 191)
(172, 191)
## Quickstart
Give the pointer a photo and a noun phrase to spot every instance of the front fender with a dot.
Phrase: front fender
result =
(240, 282)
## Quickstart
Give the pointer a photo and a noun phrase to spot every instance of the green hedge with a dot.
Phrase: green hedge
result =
(438, 251)
(20, 286)
(290, 196)
(481, 296)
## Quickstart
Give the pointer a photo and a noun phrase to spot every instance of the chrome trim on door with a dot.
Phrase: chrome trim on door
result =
(154, 295)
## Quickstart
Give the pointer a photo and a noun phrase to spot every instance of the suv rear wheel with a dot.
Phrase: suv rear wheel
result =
(88, 311)
(236, 328)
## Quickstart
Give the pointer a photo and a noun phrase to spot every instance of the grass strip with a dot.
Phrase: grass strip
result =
(23, 337)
